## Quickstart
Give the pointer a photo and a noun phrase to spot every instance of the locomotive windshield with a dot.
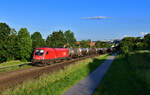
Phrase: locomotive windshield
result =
(39, 52)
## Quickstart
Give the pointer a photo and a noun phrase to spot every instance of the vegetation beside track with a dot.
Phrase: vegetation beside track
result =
(14, 62)
(12, 68)
(128, 75)
(58, 82)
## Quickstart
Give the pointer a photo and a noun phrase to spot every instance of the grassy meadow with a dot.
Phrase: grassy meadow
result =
(58, 82)
(128, 75)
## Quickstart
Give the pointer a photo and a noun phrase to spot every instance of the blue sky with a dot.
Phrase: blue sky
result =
(128, 17)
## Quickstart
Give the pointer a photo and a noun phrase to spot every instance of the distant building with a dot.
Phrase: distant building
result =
(78, 42)
(92, 44)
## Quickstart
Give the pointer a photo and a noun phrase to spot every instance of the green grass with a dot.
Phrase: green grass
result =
(15, 62)
(58, 82)
(128, 75)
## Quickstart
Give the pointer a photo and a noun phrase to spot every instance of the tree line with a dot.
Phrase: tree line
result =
(128, 44)
(19, 45)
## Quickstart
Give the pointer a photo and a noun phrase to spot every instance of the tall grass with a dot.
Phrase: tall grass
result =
(58, 82)
(128, 75)
(10, 63)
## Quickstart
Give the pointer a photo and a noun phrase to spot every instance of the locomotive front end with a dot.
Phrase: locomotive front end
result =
(38, 55)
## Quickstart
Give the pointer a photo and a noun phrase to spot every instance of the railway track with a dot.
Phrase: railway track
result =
(10, 80)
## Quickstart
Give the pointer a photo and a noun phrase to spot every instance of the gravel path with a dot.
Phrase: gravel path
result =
(91, 82)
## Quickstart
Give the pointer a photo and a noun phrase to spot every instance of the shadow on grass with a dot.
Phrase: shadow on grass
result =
(97, 70)
(124, 76)
(93, 65)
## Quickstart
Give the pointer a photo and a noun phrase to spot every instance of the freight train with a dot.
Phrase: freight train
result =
(47, 55)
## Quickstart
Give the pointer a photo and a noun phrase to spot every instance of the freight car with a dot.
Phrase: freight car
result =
(75, 52)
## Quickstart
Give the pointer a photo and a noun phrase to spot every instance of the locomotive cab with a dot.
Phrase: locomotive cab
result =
(43, 54)
(38, 54)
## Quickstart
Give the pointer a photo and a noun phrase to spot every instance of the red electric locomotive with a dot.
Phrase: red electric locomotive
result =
(44, 55)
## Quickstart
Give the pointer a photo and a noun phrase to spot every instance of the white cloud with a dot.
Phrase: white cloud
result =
(96, 17)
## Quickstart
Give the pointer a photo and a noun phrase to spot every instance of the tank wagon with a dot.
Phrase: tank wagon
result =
(75, 52)
(47, 55)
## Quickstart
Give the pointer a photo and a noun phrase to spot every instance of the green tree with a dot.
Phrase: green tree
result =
(12, 41)
(127, 44)
(56, 40)
(24, 45)
(139, 43)
(70, 38)
(37, 40)
(125, 49)
(85, 43)
(105, 45)
(147, 41)
(4, 36)
(98, 44)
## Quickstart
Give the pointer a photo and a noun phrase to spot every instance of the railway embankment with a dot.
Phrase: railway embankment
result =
(56, 82)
